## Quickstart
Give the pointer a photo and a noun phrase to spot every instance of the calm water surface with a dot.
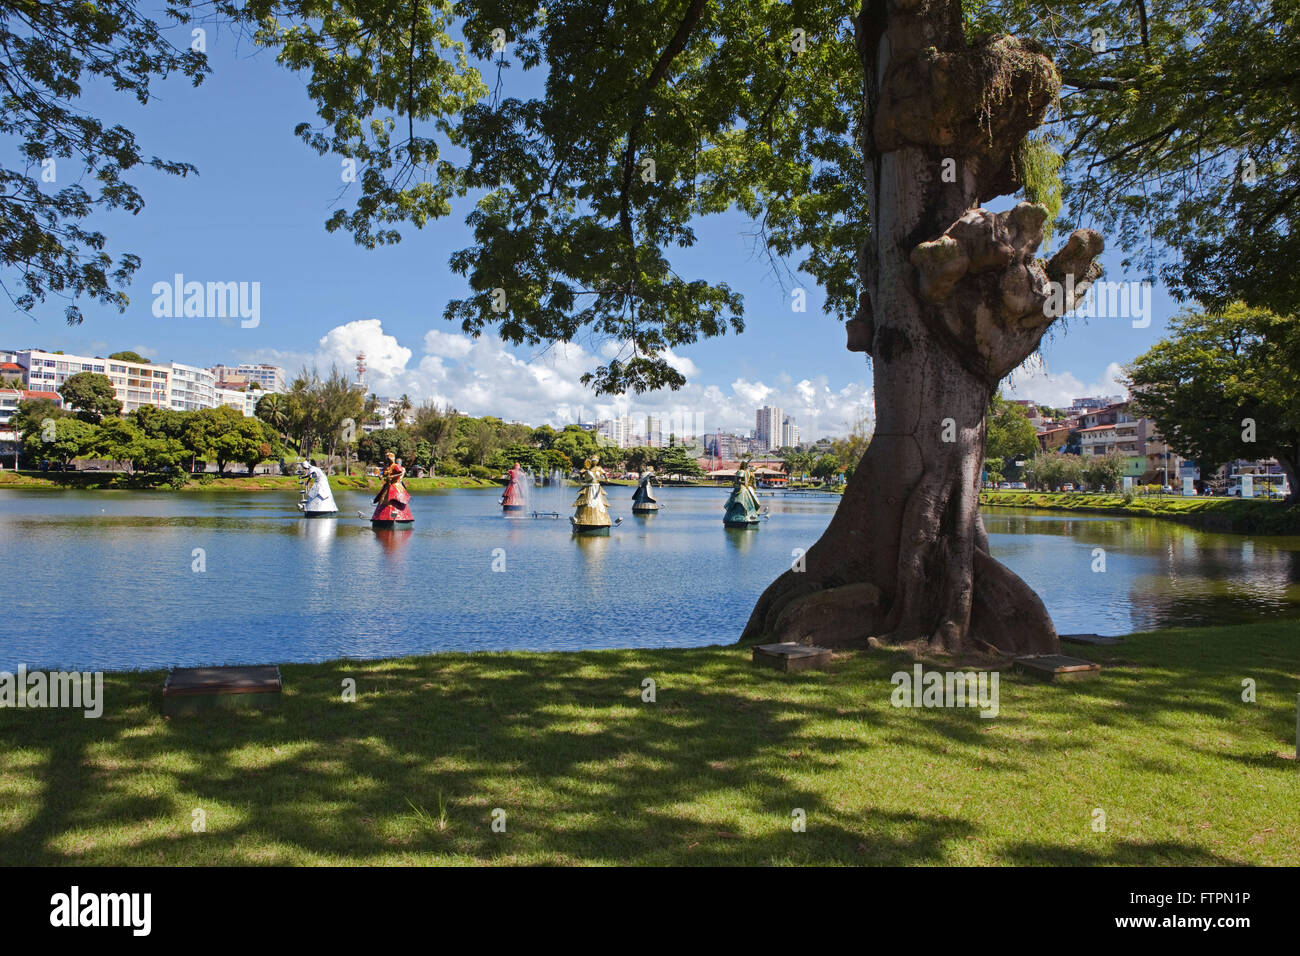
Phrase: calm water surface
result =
(106, 579)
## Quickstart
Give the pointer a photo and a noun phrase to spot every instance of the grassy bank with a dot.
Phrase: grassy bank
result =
(411, 772)
(116, 481)
(1254, 516)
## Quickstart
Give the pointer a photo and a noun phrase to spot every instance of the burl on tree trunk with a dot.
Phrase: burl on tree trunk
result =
(953, 299)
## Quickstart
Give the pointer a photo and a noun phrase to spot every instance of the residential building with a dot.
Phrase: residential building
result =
(789, 433)
(47, 371)
(234, 397)
(271, 378)
(654, 432)
(617, 430)
(140, 383)
(1051, 439)
(192, 388)
(767, 427)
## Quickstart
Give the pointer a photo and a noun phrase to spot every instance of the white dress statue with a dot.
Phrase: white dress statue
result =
(317, 498)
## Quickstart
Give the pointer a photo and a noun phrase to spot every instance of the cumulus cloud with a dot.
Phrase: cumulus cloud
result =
(485, 376)
(1034, 381)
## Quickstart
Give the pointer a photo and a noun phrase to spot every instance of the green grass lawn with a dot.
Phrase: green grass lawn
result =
(711, 773)
(1259, 515)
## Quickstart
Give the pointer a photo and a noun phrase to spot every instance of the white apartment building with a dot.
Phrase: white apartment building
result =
(134, 383)
(235, 398)
(767, 427)
(139, 383)
(270, 377)
(47, 371)
(192, 388)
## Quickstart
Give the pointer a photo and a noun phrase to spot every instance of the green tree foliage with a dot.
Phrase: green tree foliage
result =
(436, 425)
(50, 54)
(274, 409)
(799, 463)
(1177, 128)
(576, 444)
(317, 408)
(31, 412)
(71, 439)
(129, 356)
(1052, 471)
(1104, 472)
(1224, 386)
(848, 450)
(676, 460)
(118, 440)
(1010, 436)
(91, 396)
(572, 223)
(375, 446)
(825, 467)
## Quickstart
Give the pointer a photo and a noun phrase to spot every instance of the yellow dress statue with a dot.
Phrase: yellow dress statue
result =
(591, 510)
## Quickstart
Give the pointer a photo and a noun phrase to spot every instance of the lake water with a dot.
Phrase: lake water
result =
(107, 580)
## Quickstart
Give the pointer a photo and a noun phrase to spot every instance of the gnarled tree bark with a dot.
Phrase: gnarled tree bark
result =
(953, 299)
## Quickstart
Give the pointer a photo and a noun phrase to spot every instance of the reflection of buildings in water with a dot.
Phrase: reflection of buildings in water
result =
(1159, 573)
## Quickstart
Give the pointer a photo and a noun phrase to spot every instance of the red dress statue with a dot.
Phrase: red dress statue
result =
(513, 499)
(393, 503)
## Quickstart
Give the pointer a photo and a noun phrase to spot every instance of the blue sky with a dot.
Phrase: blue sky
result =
(256, 211)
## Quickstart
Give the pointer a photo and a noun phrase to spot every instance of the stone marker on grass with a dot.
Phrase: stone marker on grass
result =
(189, 690)
(1056, 667)
(789, 656)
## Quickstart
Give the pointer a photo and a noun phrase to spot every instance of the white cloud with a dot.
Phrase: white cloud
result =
(384, 356)
(485, 376)
(1033, 381)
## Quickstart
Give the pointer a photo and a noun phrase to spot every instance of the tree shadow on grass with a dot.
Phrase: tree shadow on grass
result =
(715, 771)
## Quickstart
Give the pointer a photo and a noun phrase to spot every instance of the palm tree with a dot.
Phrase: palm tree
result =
(402, 408)
(273, 408)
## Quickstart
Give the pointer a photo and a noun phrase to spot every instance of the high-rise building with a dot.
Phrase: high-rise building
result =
(789, 433)
(654, 432)
(767, 428)
(617, 430)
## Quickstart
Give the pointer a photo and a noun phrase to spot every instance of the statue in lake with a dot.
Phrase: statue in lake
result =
(743, 510)
(317, 499)
(513, 499)
(393, 503)
(643, 502)
(591, 511)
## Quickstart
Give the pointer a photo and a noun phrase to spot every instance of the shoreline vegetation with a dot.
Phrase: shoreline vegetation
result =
(412, 771)
(1250, 516)
(121, 481)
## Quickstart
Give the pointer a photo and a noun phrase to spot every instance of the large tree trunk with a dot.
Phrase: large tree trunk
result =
(953, 299)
